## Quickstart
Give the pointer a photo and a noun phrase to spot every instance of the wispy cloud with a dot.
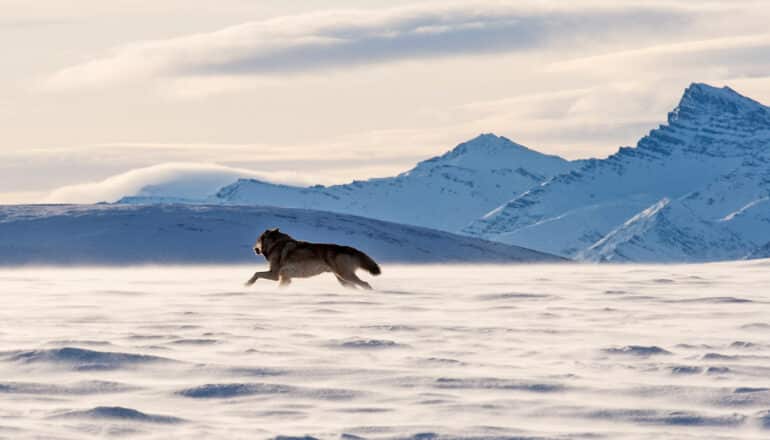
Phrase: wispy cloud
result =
(574, 123)
(309, 42)
(729, 57)
(194, 179)
(186, 180)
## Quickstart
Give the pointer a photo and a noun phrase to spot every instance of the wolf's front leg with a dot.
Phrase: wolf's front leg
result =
(268, 275)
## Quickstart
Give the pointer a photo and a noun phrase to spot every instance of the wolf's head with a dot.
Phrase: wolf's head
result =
(267, 239)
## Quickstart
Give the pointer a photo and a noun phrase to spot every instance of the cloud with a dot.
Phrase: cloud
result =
(182, 180)
(724, 57)
(573, 123)
(313, 41)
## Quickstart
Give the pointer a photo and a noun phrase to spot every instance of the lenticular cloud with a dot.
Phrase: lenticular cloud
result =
(180, 181)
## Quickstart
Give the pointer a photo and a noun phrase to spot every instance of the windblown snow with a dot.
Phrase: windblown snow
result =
(435, 352)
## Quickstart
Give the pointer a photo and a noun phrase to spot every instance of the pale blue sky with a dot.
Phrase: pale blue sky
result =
(327, 91)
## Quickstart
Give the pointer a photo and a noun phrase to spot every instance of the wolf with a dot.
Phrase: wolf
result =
(290, 258)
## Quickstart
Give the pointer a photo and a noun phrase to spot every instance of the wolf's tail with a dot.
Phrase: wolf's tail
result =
(367, 263)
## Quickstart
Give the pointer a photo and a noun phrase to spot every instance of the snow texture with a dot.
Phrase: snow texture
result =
(567, 351)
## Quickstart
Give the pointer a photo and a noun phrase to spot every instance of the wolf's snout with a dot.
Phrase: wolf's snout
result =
(256, 251)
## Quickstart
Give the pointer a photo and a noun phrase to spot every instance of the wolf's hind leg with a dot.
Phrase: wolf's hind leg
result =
(345, 282)
(351, 277)
(284, 281)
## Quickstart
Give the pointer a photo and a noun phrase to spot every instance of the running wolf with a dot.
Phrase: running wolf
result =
(290, 258)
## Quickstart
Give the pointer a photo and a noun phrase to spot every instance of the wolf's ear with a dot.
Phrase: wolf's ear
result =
(273, 230)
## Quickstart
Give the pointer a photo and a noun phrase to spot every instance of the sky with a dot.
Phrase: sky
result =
(98, 99)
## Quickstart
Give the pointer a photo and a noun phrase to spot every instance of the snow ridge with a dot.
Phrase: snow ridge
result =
(205, 234)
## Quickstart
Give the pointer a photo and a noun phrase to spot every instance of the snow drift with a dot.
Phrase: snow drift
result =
(120, 234)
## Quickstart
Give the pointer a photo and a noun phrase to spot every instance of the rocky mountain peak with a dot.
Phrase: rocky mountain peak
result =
(701, 101)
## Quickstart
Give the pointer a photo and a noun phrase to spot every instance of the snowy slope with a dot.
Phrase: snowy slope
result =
(445, 192)
(728, 219)
(761, 252)
(117, 234)
(668, 232)
(711, 160)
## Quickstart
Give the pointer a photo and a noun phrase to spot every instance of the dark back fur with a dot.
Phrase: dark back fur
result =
(273, 240)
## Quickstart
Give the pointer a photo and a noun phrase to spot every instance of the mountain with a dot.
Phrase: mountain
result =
(695, 189)
(728, 219)
(146, 234)
(761, 252)
(445, 192)
(667, 231)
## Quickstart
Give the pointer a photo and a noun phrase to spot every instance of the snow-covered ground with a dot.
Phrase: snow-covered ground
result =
(79, 235)
(555, 351)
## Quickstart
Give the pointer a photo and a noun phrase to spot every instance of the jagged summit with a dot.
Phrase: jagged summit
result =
(711, 121)
(704, 94)
(701, 101)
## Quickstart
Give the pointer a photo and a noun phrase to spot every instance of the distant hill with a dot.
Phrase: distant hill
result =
(134, 234)
(445, 192)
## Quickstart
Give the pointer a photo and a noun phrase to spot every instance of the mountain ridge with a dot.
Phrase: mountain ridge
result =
(459, 185)
(709, 163)
(712, 134)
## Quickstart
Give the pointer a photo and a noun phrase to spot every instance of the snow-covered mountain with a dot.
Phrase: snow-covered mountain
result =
(118, 234)
(445, 192)
(695, 189)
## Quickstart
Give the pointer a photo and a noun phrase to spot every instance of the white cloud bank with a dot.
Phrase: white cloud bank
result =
(178, 180)
(312, 41)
